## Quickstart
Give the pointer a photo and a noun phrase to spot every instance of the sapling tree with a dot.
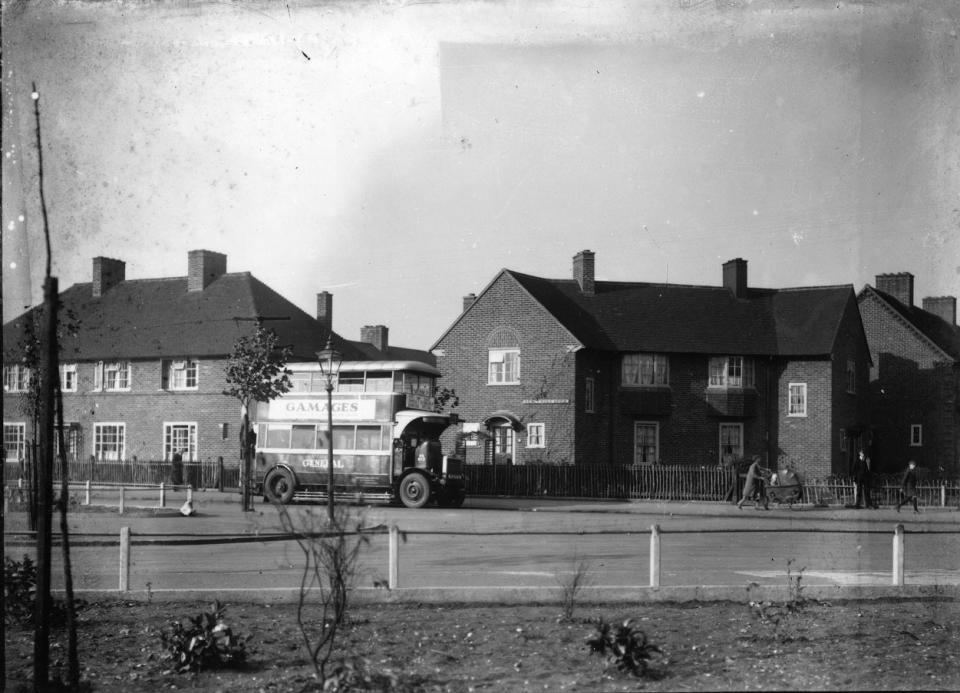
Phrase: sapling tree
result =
(255, 372)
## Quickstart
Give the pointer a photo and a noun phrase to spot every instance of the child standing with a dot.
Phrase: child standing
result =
(908, 487)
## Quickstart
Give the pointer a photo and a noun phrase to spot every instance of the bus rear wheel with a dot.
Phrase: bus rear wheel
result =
(414, 490)
(279, 486)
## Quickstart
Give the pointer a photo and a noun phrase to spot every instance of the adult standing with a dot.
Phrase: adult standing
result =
(752, 485)
(908, 486)
(862, 476)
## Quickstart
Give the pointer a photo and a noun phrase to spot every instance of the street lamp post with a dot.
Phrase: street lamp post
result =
(329, 360)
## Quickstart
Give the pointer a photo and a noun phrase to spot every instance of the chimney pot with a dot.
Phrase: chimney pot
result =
(325, 310)
(943, 306)
(468, 301)
(899, 285)
(375, 335)
(203, 268)
(107, 273)
(735, 277)
(583, 270)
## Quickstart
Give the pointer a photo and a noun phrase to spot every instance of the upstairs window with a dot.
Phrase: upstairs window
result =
(645, 369)
(68, 377)
(504, 367)
(180, 375)
(851, 376)
(797, 404)
(111, 376)
(731, 372)
(16, 378)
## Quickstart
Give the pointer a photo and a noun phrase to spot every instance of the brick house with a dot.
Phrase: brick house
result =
(915, 378)
(143, 373)
(607, 372)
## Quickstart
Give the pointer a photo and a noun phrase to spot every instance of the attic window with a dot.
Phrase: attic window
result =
(731, 372)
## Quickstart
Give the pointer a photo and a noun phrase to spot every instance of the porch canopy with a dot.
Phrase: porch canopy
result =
(501, 417)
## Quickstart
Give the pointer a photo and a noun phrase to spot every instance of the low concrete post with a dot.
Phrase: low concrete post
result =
(86, 497)
(124, 559)
(189, 494)
(122, 494)
(393, 567)
(943, 495)
(654, 555)
(898, 556)
(163, 495)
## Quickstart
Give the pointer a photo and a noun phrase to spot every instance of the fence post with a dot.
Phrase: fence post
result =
(122, 493)
(393, 567)
(163, 496)
(898, 556)
(124, 559)
(654, 555)
(220, 474)
(86, 499)
(943, 495)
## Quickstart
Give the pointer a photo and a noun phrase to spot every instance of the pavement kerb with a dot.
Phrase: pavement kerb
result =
(542, 595)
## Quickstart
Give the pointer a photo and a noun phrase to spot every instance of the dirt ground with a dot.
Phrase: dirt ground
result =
(903, 645)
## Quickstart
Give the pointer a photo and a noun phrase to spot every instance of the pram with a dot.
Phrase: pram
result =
(784, 487)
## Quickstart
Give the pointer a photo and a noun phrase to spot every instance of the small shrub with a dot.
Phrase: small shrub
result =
(570, 587)
(20, 594)
(624, 645)
(204, 642)
(782, 615)
(356, 674)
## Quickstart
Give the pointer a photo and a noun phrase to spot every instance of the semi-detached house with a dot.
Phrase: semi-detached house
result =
(143, 359)
(610, 372)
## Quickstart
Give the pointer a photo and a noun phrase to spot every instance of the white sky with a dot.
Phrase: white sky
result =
(424, 146)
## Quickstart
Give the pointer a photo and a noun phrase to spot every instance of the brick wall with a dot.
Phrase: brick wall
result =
(911, 382)
(146, 407)
(547, 369)
(807, 439)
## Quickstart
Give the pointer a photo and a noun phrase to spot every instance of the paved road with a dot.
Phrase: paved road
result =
(507, 542)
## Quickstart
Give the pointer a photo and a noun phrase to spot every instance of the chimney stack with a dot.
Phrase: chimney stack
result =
(943, 306)
(735, 277)
(325, 310)
(375, 335)
(107, 273)
(898, 285)
(203, 268)
(468, 301)
(583, 269)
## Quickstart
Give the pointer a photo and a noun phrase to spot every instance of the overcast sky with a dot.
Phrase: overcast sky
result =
(398, 154)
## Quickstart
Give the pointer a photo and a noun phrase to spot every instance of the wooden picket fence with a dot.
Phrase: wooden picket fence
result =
(205, 474)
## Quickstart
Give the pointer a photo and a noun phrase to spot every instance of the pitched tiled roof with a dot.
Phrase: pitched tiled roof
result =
(158, 318)
(933, 327)
(635, 316)
(394, 353)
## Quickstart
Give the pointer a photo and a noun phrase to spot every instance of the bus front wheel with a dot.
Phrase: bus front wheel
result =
(414, 490)
(279, 486)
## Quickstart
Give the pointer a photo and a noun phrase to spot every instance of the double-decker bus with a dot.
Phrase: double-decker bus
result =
(385, 437)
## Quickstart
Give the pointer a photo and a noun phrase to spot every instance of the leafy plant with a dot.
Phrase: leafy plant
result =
(20, 594)
(570, 586)
(356, 674)
(624, 645)
(204, 642)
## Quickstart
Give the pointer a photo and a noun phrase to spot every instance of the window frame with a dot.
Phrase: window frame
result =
(658, 368)
(192, 438)
(20, 444)
(589, 396)
(730, 425)
(916, 435)
(188, 365)
(102, 368)
(17, 375)
(65, 370)
(504, 371)
(121, 427)
(656, 445)
(536, 435)
(747, 379)
(851, 376)
(804, 401)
